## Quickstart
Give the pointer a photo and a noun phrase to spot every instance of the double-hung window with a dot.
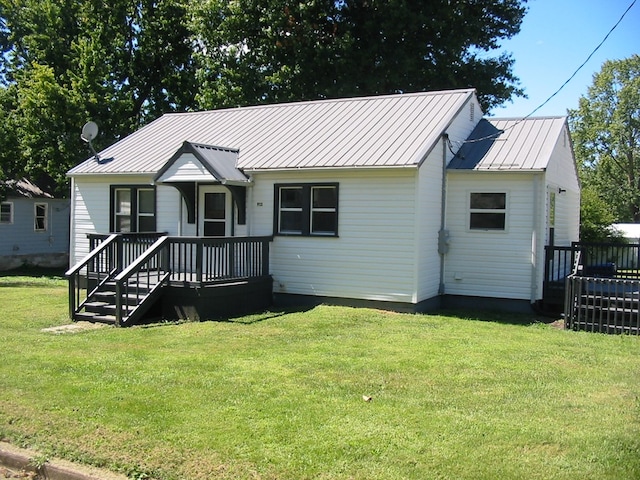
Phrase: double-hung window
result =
(6, 212)
(487, 211)
(306, 209)
(40, 215)
(133, 209)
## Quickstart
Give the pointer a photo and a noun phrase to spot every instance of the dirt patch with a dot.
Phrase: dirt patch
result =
(75, 327)
(559, 324)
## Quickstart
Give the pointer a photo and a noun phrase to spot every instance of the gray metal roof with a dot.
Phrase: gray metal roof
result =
(219, 162)
(509, 144)
(25, 188)
(393, 130)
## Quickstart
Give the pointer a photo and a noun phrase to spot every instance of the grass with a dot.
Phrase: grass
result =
(280, 395)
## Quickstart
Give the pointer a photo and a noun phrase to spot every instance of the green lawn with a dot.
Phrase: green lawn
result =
(280, 395)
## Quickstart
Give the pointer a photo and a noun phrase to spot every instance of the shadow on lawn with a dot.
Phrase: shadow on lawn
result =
(30, 276)
(249, 319)
(507, 318)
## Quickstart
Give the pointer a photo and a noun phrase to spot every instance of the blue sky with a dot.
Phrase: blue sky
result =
(556, 37)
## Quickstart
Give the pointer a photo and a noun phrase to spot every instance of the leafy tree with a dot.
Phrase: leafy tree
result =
(262, 51)
(595, 217)
(606, 132)
(121, 63)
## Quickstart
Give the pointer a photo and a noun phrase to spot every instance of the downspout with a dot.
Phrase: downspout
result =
(443, 234)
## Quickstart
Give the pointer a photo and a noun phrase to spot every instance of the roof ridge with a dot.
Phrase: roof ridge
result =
(524, 119)
(461, 91)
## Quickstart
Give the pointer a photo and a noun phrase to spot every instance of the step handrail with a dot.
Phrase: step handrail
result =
(73, 275)
(121, 280)
(91, 255)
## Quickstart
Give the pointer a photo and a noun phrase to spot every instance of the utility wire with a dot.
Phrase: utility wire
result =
(583, 63)
(497, 134)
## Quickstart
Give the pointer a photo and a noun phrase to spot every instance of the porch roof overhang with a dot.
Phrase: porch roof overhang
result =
(194, 164)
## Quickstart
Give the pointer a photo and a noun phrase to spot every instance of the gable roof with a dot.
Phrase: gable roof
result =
(217, 163)
(25, 188)
(509, 144)
(391, 130)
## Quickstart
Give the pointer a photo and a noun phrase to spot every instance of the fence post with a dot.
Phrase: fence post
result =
(265, 257)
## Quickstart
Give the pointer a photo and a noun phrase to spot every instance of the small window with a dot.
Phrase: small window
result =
(307, 209)
(488, 211)
(41, 211)
(6, 212)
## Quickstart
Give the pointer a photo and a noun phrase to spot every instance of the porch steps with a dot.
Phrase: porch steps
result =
(101, 306)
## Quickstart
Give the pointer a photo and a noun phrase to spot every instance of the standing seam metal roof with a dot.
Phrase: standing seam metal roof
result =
(509, 144)
(392, 130)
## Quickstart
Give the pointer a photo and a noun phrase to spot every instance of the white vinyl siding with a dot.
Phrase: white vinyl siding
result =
(429, 201)
(494, 263)
(168, 205)
(561, 175)
(187, 168)
(372, 258)
(91, 208)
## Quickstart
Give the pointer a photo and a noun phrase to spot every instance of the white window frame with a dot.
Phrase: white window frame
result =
(45, 217)
(10, 221)
(502, 211)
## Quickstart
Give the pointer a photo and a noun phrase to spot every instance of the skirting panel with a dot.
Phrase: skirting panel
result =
(217, 301)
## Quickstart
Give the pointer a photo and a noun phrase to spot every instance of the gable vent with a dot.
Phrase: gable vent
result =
(472, 111)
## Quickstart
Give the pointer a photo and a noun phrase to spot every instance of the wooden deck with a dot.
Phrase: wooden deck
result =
(602, 293)
(127, 277)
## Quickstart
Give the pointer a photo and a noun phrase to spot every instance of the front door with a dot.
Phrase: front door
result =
(214, 211)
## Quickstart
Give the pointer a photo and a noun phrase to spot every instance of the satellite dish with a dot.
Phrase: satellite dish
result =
(89, 131)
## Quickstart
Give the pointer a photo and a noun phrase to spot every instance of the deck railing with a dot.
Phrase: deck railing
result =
(599, 296)
(140, 264)
(90, 273)
(141, 281)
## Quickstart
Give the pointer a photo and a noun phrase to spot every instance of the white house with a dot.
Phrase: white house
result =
(408, 201)
(34, 226)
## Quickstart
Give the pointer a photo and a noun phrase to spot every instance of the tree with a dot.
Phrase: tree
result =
(606, 133)
(263, 51)
(121, 63)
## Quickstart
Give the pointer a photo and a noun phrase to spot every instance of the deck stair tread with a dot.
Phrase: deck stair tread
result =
(95, 318)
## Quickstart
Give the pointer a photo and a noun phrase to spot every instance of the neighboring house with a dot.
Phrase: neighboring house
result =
(629, 231)
(34, 226)
(408, 202)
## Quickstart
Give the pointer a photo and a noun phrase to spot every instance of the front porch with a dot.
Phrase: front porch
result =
(129, 278)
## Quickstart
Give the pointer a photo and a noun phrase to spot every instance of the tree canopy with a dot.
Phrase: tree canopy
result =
(123, 63)
(606, 133)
